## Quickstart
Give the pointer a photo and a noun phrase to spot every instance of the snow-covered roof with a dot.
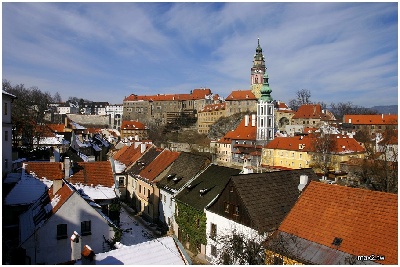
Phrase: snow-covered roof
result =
(47, 205)
(19, 160)
(13, 177)
(160, 251)
(7, 93)
(78, 126)
(104, 142)
(97, 192)
(26, 191)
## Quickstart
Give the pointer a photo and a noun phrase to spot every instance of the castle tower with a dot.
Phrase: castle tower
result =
(265, 114)
(257, 71)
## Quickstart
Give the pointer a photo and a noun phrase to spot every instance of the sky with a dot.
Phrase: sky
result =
(340, 52)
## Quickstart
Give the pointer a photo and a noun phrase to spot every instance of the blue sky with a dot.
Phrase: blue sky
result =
(105, 51)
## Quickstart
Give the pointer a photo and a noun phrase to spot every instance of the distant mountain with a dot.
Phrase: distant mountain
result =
(392, 109)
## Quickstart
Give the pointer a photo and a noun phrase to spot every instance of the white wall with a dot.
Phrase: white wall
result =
(224, 227)
(49, 250)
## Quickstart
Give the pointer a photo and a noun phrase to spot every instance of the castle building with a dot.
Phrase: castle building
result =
(257, 71)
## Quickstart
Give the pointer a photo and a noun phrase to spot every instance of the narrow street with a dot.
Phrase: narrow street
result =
(135, 230)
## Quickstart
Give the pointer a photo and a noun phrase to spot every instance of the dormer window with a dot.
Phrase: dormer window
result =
(226, 207)
(204, 191)
(236, 211)
(170, 176)
(177, 179)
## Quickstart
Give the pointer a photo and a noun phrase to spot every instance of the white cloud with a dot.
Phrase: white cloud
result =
(332, 49)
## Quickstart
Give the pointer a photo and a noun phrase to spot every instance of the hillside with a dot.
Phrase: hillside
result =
(224, 125)
(392, 109)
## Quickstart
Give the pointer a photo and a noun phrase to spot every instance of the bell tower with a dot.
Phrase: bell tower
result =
(257, 71)
(265, 114)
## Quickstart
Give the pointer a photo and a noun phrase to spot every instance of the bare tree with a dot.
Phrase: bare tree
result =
(238, 248)
(57, 98)
(303, 97)
(28, 112)
(342, 108)
(323, 152)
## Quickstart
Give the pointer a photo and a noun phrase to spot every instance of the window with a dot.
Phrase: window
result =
(5, 135)
(236, 211)
(213, 251)
(5, 108)
(226, 207)
(140, 188)
(121, 181)
(213, 232)
(86, 228)
(61, 231)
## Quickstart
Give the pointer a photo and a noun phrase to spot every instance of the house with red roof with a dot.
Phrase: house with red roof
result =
(335, 225)
(121, 161)
(163, 108)
(372, 123)
(147, 193)
(54, 228)
(96, 179)
(312, 115)
(134, 130)
(298, 152)
(239, 145)
(240, 101)
(208, 115)
(283, 116)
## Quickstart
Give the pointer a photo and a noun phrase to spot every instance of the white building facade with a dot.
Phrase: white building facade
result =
(7, 99)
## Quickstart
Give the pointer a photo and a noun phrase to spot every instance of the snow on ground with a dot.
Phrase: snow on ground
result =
(133, 232)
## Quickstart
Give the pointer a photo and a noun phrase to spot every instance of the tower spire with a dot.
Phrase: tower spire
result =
(265, 89)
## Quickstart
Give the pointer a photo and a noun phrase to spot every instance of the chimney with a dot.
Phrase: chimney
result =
(382, 116)
(246, 120)
(142, 148)
(303, 182)
(57, 184)
(76, 246)
(88, 256)
(253, 120)
(349, 120)
(67, 167)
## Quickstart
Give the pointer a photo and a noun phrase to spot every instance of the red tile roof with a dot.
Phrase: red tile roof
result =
(49, 170)
(242, 132)
(213, 107)
(367, 221)
(93, 130)
(159, 164)
(133, 125)
(93, 173)
(196, 94)
(129, 154)
(63, 194)
(312, 111)
(241, 95)
(383, 119)
(344, 144)
(282, 106)
(57, 128)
